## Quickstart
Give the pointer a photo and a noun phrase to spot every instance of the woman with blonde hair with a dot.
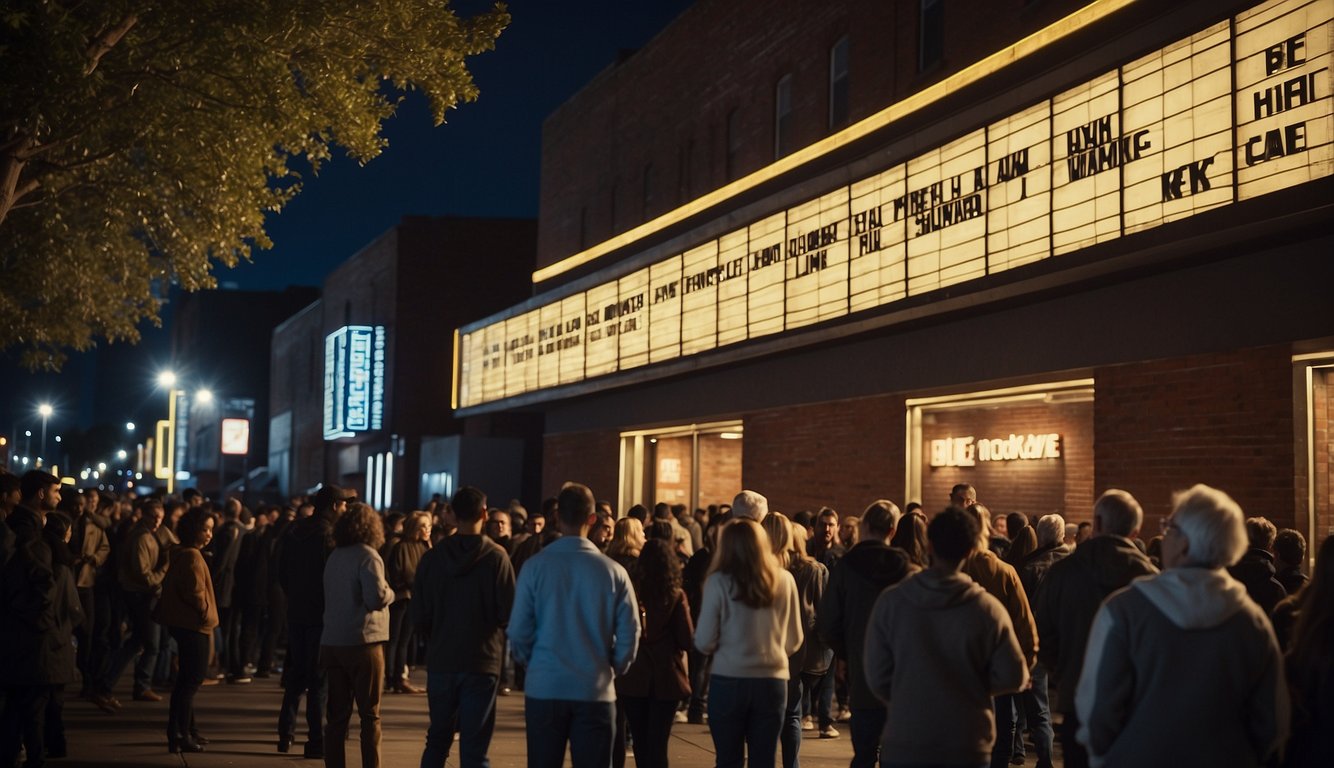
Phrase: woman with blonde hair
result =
(627, 539)
(811, 661)
(356, 626)
(750, 620)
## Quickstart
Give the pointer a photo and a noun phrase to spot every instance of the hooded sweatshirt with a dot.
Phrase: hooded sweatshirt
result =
(305, 548)
(938, 647)
(1182, 669)
(1071, 594)
(855, 583)
(462, 594)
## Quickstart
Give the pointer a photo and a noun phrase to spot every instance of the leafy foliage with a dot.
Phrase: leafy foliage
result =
(141, 144)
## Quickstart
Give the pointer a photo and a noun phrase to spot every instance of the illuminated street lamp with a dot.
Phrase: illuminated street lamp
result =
(129, 426)
(44, 410)
(168, 379)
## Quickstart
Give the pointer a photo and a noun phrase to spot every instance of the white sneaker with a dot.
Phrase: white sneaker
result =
(807, 724)
(680, 717)
(844, 715)
(829, 732)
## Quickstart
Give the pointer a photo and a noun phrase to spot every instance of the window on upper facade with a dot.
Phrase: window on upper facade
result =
(733, 143)
(838, 84)
(931, 41)
(783, 116)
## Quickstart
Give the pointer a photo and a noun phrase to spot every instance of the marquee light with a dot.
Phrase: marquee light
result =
(353, 380)
(1238, 110)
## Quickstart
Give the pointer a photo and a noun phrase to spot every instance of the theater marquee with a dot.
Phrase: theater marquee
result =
(1236, 111)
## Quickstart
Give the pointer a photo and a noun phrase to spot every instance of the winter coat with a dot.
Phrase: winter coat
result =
(305, 546)
(855, 583)
(814, 656)
(463, 591)
(1256, 571)
(938, 648)
(1034, 567)
(226, 550)
(139, 564)
(1000, 579)
(188, 601)
(356, 598)
(40, 608)
(1071, 594)
(1182, 669)
(94, 548)
(659, 669)
(401, 566)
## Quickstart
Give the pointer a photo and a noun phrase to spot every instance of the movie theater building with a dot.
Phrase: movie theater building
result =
(869, 249)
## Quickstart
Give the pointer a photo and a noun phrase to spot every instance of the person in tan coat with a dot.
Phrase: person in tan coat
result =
(1001, 581)
(189, 610)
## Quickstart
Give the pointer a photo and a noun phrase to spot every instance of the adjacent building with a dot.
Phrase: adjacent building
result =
(871, 248)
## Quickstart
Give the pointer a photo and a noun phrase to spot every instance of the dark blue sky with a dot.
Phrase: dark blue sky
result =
(483, 162)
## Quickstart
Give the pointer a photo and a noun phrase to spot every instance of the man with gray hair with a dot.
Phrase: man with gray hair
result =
(1074, 588)
(1033, 571)
(750, 505)
(1183, 668)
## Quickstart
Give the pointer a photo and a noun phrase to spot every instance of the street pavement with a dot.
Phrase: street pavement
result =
(240, 723)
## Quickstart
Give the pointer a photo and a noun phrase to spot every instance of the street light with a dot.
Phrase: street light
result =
(129, 426)
(168, 379)
(44, 410)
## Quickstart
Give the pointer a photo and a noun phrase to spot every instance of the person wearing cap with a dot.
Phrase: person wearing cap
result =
(750, 505)
(305, 548)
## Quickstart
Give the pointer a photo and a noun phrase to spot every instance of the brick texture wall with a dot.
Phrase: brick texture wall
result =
(1322, 446)
(1223, 419)
(719, 469)
(672, 470)
(591, 458)
(1033, 487)
(842, 454)
(669, 104)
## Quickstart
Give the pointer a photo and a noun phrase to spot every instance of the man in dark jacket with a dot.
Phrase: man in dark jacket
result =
(305, 547)
(1033, 571)
(462, 595)
(1256, 568)
(1075, 587)
(31, 602)
(855, 583)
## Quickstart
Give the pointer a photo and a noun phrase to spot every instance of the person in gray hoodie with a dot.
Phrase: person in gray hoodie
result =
(1183, 668)
(938, 648)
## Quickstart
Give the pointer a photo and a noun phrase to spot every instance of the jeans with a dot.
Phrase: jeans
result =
(821, 691)
(790, 735)
(193, 649)
(651, 726)
(1006, 719)
(1035, 708)
(356, 674)
(466, 698)
(745, 717)
(866, 728)
(699, 682)
(22, 723)
(143, 636)
(400, 635)
(585, 725)
(302, 675)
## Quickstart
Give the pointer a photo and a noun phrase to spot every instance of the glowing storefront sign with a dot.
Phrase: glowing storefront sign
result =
(353, 380)
(966, 451)
(235, 437)
(1188, 128)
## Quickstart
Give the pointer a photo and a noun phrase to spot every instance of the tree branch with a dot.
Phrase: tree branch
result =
(106, 41)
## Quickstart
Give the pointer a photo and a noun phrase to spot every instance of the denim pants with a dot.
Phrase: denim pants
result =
(1036, 709)
(790, 735)
(699, 682)
(143, 636)
(1006, 720)
(468, 698)
(302, 675)
(866, 729)
(585, 725)
(745, 717)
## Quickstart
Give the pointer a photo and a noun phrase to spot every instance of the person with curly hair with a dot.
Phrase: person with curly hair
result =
(356, 626)
(189, 610)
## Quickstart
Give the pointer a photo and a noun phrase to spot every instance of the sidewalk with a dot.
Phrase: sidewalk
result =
(240, 722)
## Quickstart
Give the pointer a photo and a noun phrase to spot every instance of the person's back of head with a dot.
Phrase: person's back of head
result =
(1211, 523)
(469, 504)
(1290, 548)
(1014, 523)
(638, 512)
(779, 531)
(661, 530)
(953, 534)
(1117, 514)
(1051, 530)
(880, 520)
(574, 506)
(750, 506)
(1261, 533)
(744, 555)
(360, 524)
(982, 516)
(661, 511)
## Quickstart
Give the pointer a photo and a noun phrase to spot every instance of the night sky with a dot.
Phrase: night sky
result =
(483, 162)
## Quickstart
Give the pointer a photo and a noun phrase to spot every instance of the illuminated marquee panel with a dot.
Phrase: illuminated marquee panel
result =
(1150, 142)
(354, 378)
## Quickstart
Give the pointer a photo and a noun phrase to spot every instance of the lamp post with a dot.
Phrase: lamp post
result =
(168, 379)
(44, 410)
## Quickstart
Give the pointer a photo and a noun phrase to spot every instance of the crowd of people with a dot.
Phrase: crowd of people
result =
(955, 638)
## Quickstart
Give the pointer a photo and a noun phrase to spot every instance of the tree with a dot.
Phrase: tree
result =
(142, 143)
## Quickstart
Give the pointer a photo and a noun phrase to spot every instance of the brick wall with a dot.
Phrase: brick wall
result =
(1223, 419)
(591, 458)
(672, 470)
(842, 454)
(1322, 446)
(1033, 487)
(668, 105)
(719, 469)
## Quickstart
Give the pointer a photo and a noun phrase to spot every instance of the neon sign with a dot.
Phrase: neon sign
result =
(353, 380)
